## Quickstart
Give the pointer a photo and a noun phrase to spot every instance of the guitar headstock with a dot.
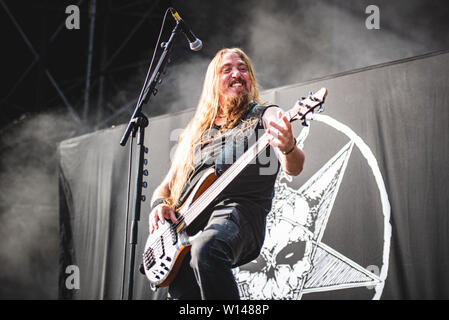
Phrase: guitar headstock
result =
(308, 105)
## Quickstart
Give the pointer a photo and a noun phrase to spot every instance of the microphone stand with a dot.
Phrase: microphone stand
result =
(137, 125)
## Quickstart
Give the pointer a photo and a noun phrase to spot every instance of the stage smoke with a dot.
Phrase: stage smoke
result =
(29, 212)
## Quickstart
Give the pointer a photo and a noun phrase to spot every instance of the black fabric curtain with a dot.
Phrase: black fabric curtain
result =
(375, 186)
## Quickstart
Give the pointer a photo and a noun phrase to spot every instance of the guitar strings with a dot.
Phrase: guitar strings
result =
(263, 140)
(228, 174)
(195, 204)
(252, 152)
(209, 193)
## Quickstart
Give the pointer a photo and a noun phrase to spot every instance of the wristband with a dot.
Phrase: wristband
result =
(287, 152)
(157, 202)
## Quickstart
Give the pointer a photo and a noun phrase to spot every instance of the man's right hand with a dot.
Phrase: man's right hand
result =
(161, 213)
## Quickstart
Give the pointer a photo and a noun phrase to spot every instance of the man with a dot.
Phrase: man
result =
(235, 229)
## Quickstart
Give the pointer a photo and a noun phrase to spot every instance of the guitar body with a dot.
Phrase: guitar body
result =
(167, 246)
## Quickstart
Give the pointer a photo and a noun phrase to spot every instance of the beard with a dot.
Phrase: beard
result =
(234, 106)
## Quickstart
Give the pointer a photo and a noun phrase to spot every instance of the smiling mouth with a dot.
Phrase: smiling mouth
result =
(237, 84)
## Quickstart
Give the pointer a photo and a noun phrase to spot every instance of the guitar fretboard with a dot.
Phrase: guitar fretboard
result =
(224, 180)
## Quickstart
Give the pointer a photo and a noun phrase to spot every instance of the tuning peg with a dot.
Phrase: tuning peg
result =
(304, 123)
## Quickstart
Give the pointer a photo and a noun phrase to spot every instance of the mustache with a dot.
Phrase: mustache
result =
(240, 80)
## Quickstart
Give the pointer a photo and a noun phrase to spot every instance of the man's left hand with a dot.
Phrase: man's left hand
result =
(281, 135)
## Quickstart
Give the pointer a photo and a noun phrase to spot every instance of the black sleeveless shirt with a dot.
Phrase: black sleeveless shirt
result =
(252, 191)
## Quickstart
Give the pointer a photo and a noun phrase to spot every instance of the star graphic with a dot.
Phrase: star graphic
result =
(294, 260)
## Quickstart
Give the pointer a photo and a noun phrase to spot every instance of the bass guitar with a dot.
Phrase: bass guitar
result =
(167, 246)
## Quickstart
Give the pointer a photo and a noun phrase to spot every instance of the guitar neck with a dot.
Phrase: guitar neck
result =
(224, 180)
(299, 112)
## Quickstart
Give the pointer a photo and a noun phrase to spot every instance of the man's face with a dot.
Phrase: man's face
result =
(234, 77)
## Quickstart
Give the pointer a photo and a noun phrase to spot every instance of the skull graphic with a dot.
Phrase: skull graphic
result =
(285, 260)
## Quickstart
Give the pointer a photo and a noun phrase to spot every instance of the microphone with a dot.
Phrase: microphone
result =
(195, 43)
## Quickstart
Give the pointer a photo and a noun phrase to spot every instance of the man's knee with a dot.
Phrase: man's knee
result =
(209, 252)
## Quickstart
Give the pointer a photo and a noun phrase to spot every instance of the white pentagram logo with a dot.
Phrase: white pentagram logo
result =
(294, 260)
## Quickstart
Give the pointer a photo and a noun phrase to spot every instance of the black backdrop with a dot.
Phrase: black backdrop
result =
(399, 111)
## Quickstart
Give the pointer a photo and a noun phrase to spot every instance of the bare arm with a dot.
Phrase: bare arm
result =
(163, 190)
(162, 211)
(281, 138)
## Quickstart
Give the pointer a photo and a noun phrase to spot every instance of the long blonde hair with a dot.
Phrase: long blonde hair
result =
(206, 112)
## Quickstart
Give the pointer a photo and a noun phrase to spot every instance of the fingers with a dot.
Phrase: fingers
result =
(280, 132)
(161, 213)
(283, 144)
(172, 216)
(276, 139)
(153, 219)
(283, 126)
